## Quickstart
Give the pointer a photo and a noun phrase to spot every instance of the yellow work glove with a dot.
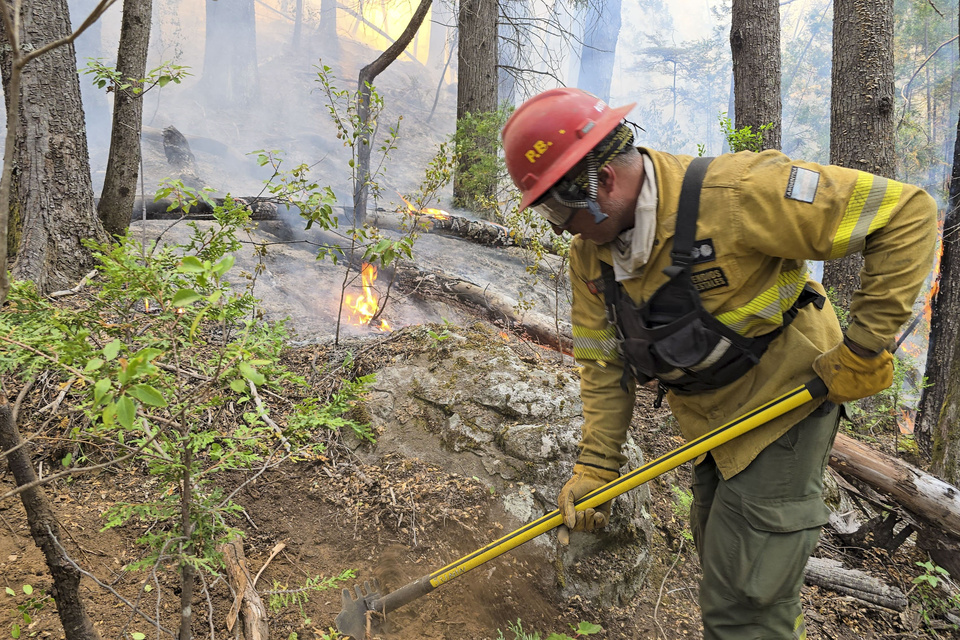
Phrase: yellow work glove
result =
(851, 376)
(585, 479)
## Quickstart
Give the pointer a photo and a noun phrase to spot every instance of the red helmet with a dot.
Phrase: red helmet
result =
(550, 133)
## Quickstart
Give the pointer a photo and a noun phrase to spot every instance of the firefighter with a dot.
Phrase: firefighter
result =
(690, 274)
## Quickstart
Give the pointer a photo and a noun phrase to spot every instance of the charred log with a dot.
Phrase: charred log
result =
(498, 309)
(830, 574)
(166, 209)
(481, 232)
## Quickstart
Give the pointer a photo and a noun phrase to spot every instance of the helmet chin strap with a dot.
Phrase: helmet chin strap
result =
(586, 200)
(598, 216)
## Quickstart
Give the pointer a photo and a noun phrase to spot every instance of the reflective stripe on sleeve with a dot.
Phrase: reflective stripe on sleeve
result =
(768, 307)
(592, 344)
(868, 209)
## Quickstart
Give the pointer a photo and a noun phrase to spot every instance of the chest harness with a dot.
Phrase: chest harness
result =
(671, 337)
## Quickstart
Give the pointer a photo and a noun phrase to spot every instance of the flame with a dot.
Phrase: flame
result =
(364, 307)
(505, 336)
(438, 214)
(906, 421)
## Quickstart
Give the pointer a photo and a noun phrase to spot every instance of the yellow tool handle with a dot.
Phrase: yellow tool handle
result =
(815, 388)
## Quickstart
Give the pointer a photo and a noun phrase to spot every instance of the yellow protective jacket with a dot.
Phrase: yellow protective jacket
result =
(763, 215)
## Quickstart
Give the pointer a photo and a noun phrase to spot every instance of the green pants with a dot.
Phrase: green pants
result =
(755, 532)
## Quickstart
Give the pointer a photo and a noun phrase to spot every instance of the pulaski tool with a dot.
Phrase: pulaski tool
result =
(364, 611)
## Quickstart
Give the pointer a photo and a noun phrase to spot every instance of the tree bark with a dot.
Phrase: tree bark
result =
(861, 109)
(601, 32)
(755, 44)
(230, 73)
(364, 84)
(51, 187)
(123, 165)
(476, 75)
(46, 532)
(937, 430)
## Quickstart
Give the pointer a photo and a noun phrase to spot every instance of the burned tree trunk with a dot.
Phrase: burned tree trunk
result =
(46, 532)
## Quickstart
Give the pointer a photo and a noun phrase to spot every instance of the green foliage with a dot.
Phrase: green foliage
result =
(682, 500)
(36, 600)
(480, 166)
(166, 358)
(313, 415)
(744, 138)
(933, 600)
(580, 631)
(280, 597)
(106, 76)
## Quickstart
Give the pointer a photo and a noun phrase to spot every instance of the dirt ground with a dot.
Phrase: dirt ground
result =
(395, 520)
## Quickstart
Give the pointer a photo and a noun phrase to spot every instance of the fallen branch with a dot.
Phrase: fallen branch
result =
(830, 574)
(247, 602)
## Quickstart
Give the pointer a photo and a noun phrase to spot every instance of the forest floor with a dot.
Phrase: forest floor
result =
(396, 520)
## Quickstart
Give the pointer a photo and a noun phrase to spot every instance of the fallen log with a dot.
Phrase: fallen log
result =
(166, 209)
(482, 232)
(247, 603)
(830, 574)
(498, 309)
(932, 500)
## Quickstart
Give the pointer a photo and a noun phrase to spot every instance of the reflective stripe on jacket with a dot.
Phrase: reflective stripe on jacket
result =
(761, 217)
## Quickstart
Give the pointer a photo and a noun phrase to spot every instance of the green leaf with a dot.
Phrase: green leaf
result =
(148, 395)
(126, 411)
(588, 628)
(238, 385)
(11, 591)
(183, 297)
(136, 635)
(93, 365)
(251, 374)
(225, 265)
(28, 589)
(67, 460)
(191, 264)
(112, 350)
(163, 81)
(27, 620)
(15, 631)
(148, 587)
(100, 388)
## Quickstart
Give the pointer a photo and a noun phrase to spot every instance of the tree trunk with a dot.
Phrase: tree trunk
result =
(364, 83)
(853, 584)
(755, 44)
(51, 185)
(937, 428)
(601, 31)
(46, 532)
(476, 75)
(861, 109)
(123, 166)
(247, 603)
(230, 73)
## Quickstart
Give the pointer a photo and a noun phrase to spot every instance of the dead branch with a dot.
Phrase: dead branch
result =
(247, 603)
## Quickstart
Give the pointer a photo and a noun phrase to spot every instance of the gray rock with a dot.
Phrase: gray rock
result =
(474, 407)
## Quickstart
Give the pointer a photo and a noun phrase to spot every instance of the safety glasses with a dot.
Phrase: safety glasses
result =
(557, 214)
